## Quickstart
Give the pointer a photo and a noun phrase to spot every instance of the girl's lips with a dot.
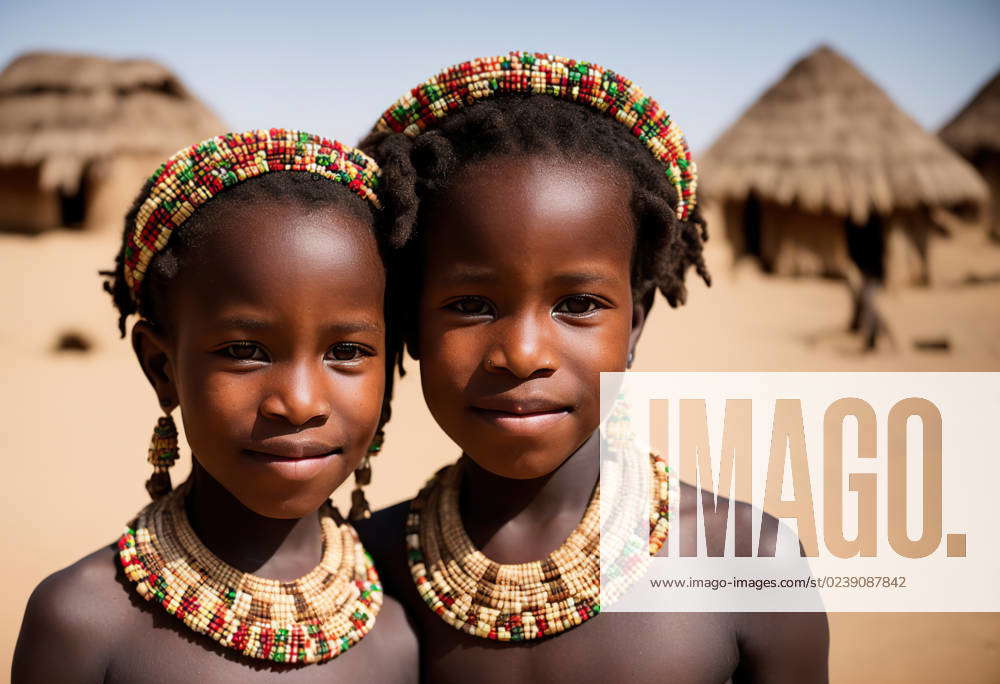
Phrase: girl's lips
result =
(522, 423)
(291, 467)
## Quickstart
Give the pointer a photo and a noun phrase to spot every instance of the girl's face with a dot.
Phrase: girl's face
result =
(526, 299)
(275, 352)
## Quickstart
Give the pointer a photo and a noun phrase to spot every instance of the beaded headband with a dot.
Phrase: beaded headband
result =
(198, 173)
(537, 73)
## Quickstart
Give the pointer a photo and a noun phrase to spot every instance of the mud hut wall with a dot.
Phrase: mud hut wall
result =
(797, 243)
(24, 205)
(791, 242)
(803, 244)
(731, 217)
(112, 187)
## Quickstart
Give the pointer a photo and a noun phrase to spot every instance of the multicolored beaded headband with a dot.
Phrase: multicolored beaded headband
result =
(567, 79)
(200, 172)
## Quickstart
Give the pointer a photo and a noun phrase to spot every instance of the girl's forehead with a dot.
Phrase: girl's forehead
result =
(569, 232)
(522, 206)
(280, 241)
(283, 255)
(541, 171)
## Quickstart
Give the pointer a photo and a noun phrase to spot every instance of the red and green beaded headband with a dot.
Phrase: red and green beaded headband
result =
(198, 173)
(567, 79)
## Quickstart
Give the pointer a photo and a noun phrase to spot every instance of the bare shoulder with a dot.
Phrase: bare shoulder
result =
(780, 647)
(773, 647)
(68, 598)
(75, 613)
(784, 647)
(716, 525)
(397, 635)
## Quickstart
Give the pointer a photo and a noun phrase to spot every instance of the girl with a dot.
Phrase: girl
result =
(537, 204)
(253, 263)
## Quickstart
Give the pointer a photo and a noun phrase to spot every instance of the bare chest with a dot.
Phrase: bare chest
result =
(155, 649)
(679, 648)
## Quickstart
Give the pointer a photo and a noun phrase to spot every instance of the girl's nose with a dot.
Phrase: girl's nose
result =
(522, 349)
(298, 395)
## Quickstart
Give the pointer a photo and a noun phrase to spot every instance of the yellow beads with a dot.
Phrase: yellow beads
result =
(511, 602)
(311, 619)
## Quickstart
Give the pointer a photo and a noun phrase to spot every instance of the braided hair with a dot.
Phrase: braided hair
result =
(416, 169)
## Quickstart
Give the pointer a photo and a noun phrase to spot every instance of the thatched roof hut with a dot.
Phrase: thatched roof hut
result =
(79, 134)
(824, 175)
(975, 134)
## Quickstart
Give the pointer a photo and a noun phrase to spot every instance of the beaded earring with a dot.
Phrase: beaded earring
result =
(617, 428)
(162, 454)
(360, 510)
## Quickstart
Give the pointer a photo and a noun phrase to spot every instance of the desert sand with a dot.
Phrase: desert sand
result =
(77, 423)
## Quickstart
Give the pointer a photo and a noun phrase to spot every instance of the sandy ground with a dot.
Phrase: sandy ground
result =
(76, 424)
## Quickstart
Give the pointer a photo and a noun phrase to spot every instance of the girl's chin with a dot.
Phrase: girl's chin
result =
(289, 509)
(527, 466)
(286, 503)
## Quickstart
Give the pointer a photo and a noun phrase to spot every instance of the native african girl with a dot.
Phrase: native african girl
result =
(253, 264)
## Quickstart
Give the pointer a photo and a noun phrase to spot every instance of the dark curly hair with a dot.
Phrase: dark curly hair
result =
(416, 169)
(289, 187)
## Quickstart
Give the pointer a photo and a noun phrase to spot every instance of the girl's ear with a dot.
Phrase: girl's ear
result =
(151, 349)
(640, 311)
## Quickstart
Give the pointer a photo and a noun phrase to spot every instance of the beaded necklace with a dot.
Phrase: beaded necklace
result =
(311, 619)
(512, 602)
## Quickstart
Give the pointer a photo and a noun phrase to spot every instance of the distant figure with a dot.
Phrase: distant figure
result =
(866, 247)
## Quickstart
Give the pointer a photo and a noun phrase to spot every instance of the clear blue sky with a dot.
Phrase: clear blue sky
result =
(333, 67)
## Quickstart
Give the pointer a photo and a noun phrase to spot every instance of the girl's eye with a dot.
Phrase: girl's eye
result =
(578, 305)
(245, 351)
(345, 351)
(471, 306)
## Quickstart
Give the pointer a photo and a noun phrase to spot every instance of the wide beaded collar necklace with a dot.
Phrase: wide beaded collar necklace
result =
(513, 602)
(311, 619)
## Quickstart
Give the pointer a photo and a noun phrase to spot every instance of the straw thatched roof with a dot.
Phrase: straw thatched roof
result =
(61, 111)
(977, 126)
(826, 138)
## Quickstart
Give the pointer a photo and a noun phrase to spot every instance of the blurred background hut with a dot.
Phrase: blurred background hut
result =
(975, 133)
(825, 175)
(79, 134)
